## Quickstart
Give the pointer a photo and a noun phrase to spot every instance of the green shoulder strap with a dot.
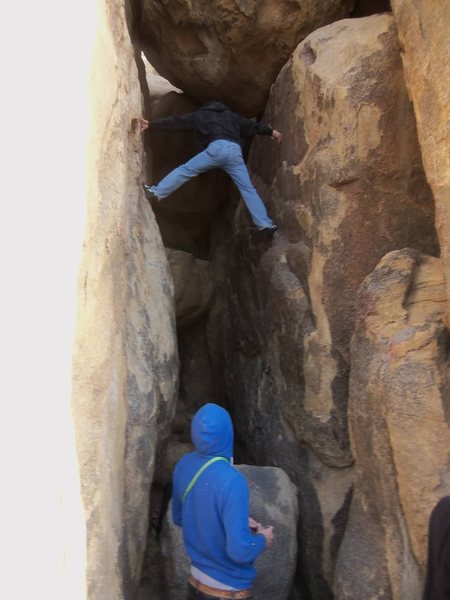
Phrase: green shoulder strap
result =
(199, 472)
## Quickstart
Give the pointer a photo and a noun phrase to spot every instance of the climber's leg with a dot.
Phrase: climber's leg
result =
(237, 169)
(204, 161)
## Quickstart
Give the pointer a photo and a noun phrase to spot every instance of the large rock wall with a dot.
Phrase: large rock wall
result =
(345, 187)
(230, 50)
(193, 286)
(399, 417)
(423, 28)
(125, 358)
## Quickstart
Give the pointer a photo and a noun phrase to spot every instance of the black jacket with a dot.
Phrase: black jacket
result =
(437, 582)
(214, 121)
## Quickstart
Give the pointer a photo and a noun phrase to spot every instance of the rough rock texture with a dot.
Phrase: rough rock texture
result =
(125, 358)
(273, 501)
(230, 50)
(193, 286)
(197, 383)
(423, 28)
(169, 458)
(345, 187)
(399, 418)
(194, 293)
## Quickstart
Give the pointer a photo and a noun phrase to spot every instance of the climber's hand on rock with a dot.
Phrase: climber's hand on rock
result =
(143, 125)
(277, 136)
(253, 525)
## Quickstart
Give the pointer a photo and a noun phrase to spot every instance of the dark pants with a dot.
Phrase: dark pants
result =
(194, 594)
(437, 582)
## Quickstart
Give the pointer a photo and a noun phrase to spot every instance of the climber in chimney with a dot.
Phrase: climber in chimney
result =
(220, 132)
(210, 501)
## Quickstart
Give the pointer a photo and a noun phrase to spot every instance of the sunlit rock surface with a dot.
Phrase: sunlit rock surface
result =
(399, 419)
(125, 357)
(230, 50)
(423, 29)
(345, 187)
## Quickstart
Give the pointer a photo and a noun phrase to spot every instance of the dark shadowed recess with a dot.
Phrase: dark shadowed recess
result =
(365, 8)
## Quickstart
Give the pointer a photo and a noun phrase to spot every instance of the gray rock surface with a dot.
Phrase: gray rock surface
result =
(193, 285)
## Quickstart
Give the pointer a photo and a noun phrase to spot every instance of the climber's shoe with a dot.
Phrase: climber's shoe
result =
(270, 229)
(149, 193)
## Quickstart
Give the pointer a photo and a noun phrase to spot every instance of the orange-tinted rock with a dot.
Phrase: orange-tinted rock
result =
(230, 50)
(399, 419)
(345, 186)
(423, 29)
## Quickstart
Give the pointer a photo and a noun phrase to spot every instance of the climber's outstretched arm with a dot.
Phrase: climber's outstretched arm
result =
(277, 136)
(174, 123)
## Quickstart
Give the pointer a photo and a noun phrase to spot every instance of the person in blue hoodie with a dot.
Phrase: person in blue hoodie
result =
(210, 501)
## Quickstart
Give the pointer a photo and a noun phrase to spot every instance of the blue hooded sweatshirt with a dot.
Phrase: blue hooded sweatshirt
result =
(214, 515)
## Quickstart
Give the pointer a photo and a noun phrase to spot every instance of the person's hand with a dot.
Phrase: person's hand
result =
(277, 136)
(253, 525)
(143, 125)
(267, 533)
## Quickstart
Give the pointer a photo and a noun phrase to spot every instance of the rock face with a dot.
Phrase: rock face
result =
(193, 286)
(423, 28)
(345, 187)
(125, 357)
(273, 501)
(399, 419)
(230, 50)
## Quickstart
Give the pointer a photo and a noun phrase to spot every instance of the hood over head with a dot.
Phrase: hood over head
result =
(215, 106)
(212, 431)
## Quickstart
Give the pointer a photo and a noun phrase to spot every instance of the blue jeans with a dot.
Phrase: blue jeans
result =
(224, 155)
